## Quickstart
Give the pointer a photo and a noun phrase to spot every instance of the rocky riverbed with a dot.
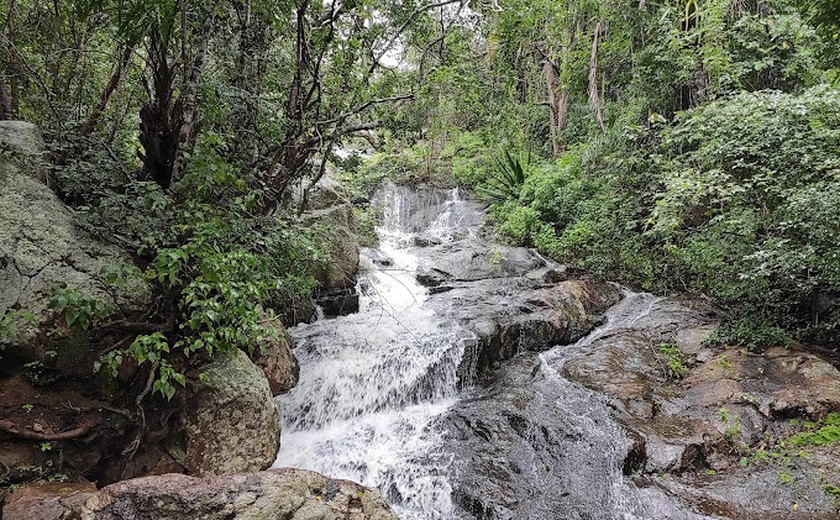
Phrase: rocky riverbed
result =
(505, 386)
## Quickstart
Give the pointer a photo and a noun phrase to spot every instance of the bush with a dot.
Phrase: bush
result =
(738, 199)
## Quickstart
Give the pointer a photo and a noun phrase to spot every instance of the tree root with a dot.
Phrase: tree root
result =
(10, 427)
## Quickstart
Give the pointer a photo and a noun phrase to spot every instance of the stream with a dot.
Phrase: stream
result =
(386, 397)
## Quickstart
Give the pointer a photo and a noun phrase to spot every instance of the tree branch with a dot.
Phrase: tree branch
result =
(410, 20)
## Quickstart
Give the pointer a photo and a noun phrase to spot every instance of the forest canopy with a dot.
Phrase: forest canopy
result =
(688, 146)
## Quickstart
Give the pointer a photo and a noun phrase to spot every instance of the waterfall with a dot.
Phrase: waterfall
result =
(379, 395)
(373, 384)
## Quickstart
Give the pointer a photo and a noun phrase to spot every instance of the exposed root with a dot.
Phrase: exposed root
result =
(10, 427)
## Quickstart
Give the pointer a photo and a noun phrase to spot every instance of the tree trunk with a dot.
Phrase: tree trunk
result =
(5, 102)
(558, 104)
(109, 89)
(13, 70)
(187, 100)
(594, 98)
(160, 116)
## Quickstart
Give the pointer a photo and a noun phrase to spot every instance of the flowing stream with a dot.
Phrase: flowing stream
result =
(376, 386)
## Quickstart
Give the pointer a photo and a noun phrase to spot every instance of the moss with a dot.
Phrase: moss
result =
(823, 433)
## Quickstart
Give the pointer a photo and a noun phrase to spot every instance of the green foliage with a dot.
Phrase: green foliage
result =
(227, 275)
(78, 310)
(738, 200)
(752, 333)
(785, 477)
(506, 180)
(11, 320)
(674, 363)
(823, 433)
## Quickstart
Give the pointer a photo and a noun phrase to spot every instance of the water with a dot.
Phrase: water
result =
(596, 467)
(376, 388)
(374, 383)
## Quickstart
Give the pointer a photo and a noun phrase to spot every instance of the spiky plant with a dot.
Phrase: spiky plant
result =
(506, 179)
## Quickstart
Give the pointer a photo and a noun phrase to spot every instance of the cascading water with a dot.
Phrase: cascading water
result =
(378, 391)
(373, 384)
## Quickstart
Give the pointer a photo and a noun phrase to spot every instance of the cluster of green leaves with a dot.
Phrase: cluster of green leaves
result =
(221, 263)
(738, 200)
(77, 309)
(822, 433)
(506, 180)
(751, 332)
(674, 362)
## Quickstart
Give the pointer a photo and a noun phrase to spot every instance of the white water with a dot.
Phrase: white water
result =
(372, 384)
(600, 469)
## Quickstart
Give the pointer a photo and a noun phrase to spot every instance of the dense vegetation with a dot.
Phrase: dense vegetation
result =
(688, 146)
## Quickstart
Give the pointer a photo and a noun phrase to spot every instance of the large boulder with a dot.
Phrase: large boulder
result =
(470, 259)
(522, 313)
(22, 138)
(277, 361)
(228, 421)
(331, 216)
(285, 494)
(42, 250)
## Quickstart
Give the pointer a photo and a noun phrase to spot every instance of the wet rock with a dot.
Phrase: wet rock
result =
(728, 401)
(471, 259)
(532, 445)
(421, 241)
(519, 314)
(277, 361)
(755, 495)
(337, 236)
(285, 494)
(334, 225)
(228, 421)
(339, 303)
(376, 257)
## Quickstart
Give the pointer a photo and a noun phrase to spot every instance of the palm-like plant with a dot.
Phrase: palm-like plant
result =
(506, 180)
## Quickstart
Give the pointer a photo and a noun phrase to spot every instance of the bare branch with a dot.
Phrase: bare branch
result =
(410, 20)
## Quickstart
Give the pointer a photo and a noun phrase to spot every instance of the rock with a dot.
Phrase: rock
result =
(375, 258)
(42, 250)
(421, 241)
(277, 361)
(285, 494)
(329, 210)
(531, 445)
(21, 137)
(337, 236)
(520, 314)
(572, 418)
(337, 277)
(731, 400)
(228, 421)
(328, 193)
(47, 500)
(471, 259)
